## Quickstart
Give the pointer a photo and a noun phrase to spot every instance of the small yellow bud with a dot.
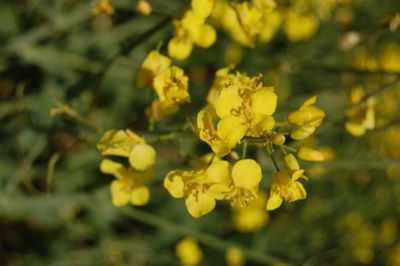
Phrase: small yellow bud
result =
(278, 139)
(144, 7)
(189, 252)
(302, 132)
(309, 154)
(234, 257)
(291, 162)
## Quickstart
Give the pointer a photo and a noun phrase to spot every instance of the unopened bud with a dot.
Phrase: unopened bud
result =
(309, 154)
(302, 132)
(291, 162)
(144, 7)
(278, 139)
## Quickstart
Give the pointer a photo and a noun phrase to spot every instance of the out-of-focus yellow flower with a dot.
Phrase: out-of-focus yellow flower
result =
(129, 183)
(307, 119)
(154, 64)
(103, 6)
(143, 7)
(159, 110)
(200, 187)
(272, 22)
(126, 143)
(252, 217)
(286, 187)
(192, 29)
(300, 27)
(386, 143)
(235, 257)
(189, 252)
(363, 60)
(361, 117)
(309, 154)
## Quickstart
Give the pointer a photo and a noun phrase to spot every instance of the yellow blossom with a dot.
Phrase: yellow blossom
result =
(172, 85)
(300, 27)
(235, 257)
(103, 6)
(129, 183)
(361, 118)
(154, 64)
(159, 110)
(285, 186)
(252, 217)
(201, 187)
(307, 118)
(189, 252)
(126, 143)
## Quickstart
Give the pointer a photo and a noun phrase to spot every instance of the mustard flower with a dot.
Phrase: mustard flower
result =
(191, 29)
(154, 64)
(201, 187)
(171, 85)
(143, 7)
(189, 252)
(235, 257)
(307, 119)
(129, 185)
(300, 27)
(159, 110)
(126, 143)
(285, 186)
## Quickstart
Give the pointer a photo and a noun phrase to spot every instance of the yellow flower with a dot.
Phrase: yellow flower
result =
(172, 85)
(252, 217)
(208, 134)
(103, 6)
(154, 64)
(361, 118)
(307, 118)
(189, 252)
(300, 27)
(235, 257)
(309, 154)
(246, 176)
(192, 29)
(126, 143)
(286, 187)
(129, 183)
(201, 187)
(220, 77)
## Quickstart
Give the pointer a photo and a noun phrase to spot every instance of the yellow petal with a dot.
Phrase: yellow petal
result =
(113, 168)
(207, 36)
(310, 101)
(356, 129)
(246, 173)
(298, 191)
(154, 64)
(219, 191)
(180, 48)
(117, 142)
(140, 196)
(274, 202)
(202, 8)
(231, 129)
(259, 124)
(120, 193)
(228, 101)
(264, 101)
(309, 154)
(199, 205)
(174, 183)
(159, 110)
(218, 172)
(142, 156)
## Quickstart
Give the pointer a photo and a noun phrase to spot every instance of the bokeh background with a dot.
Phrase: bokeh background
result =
(66, 76)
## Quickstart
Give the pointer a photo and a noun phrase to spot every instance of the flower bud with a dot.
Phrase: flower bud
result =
(309, 154)
(278, 139)
(143, 7)
(302, 132)
(291, 162)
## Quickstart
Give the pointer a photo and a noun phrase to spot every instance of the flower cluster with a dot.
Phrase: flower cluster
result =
(129, 185)
(192, 29)
(169, 82)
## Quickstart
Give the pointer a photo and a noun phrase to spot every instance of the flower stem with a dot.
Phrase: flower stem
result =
(244, 149)
(269, 150)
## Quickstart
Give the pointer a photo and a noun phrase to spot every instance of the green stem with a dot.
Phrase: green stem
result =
(244, 149)
(269, 150)
(50, 171)
(206, 239)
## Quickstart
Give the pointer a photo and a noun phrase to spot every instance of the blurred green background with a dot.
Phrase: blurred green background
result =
(55, 206)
